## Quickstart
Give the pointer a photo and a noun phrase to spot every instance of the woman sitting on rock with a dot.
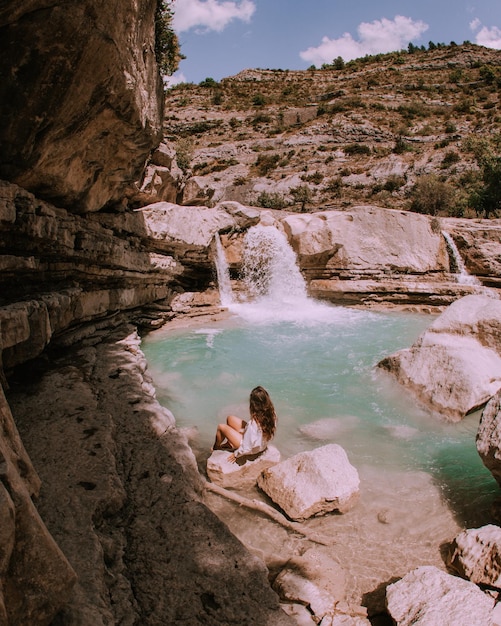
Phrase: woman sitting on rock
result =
(248, 438)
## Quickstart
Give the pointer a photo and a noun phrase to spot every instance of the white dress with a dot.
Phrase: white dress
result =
(253, 440)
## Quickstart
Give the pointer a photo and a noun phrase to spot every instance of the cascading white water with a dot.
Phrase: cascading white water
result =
(275, 286)
(223, 274)
(269, 266)
(462, 275)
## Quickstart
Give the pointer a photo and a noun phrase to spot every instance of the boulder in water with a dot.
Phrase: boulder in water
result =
(312, 483)
(489, 436)
(242, 473)
(455, 365)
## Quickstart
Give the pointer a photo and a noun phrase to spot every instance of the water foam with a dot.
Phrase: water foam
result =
(276, 288)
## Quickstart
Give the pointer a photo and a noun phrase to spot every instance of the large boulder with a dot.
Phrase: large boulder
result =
(369, 255)
(188, 231)
(313, 483)
(475, 554)
(428, 596)
(488, 439)
(454, 367)
(82, 98)
(244, 471)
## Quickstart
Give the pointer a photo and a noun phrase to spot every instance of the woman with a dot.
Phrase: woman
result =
(248, 438)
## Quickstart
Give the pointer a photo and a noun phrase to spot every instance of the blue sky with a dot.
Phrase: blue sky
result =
(222, 37)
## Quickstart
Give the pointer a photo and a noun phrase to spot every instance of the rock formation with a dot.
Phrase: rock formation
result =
(455, 365)
(122, 496)
(488, 439)
(430, 596)
(102, 511)
(475, 555)
(312, 483)
(81, 98)
(35, 576)
(239, 474)
(318, 582)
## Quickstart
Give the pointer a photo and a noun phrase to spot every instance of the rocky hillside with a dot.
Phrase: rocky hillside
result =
(329, 138)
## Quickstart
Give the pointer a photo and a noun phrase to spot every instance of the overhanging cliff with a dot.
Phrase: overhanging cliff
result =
(81, 98)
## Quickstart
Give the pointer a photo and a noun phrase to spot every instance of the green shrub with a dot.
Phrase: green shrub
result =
(393, 183)
(334, 186)
(450, 158)
(357, 148)
(302, 195)
(266, 162)
(272, 200)
(259, 100)
(413, 109)
(431, 196)
(401, 146)
(464, 106)
(316, 178)
(208, 82)
(487, 197)
(167, 49)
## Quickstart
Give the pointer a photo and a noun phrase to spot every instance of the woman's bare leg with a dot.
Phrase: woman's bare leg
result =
(231, 432)
(236, 423)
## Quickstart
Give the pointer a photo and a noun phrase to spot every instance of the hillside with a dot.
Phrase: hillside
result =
(329, 138)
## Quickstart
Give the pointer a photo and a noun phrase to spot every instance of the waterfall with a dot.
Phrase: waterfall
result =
(276, 290)
(269, 266)
(223, 274)
(462, 275)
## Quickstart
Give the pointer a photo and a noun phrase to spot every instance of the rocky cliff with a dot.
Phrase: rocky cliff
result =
(81, 98)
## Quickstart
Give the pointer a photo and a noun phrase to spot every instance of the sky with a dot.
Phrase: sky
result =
(222, 37)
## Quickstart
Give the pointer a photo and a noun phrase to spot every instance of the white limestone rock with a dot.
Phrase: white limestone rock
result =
(428, 596)
(244, 471)
(313, 483)
(455, 366)
(365, 237)
(313, 579)
(476, 555)
(488, 439)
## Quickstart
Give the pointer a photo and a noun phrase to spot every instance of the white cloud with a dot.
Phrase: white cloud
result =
(379, 36)
(488, 37)
(210, 14)
(175, 79)
(475, 24)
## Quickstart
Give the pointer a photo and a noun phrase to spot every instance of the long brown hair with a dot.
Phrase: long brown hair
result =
(262, 410)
